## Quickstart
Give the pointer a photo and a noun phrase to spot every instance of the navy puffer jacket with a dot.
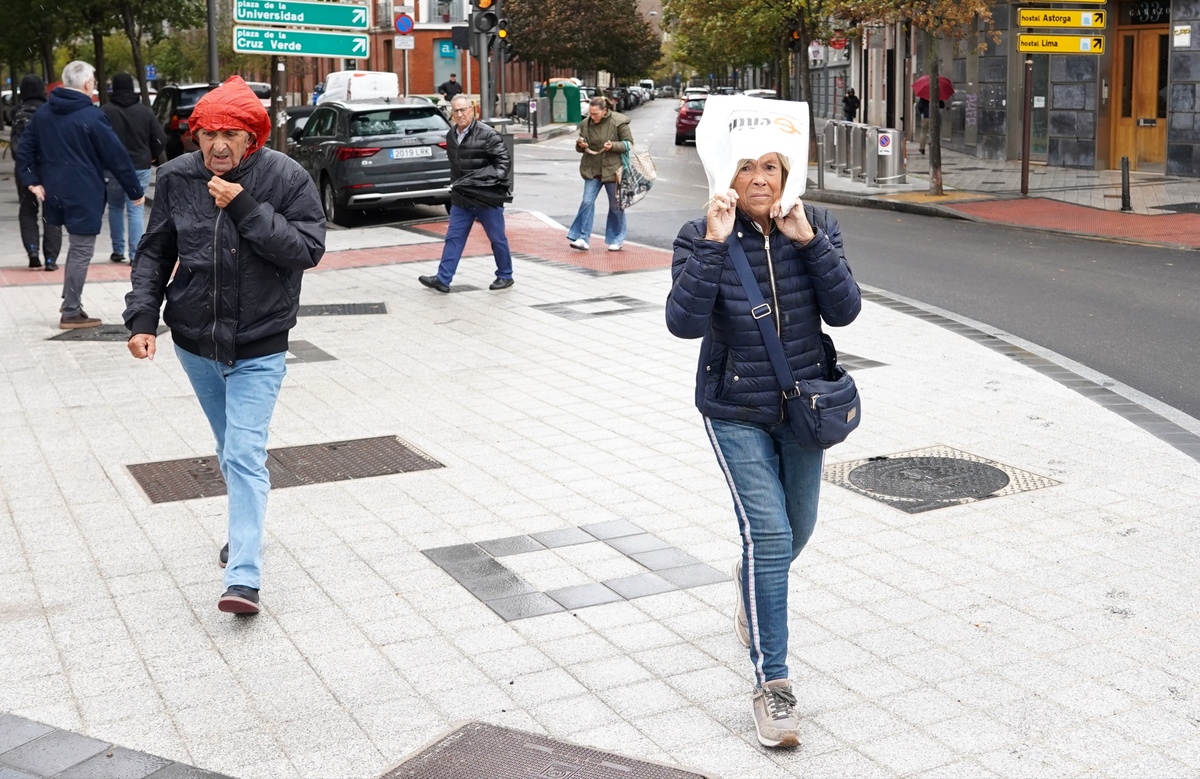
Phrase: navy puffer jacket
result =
(811, 283)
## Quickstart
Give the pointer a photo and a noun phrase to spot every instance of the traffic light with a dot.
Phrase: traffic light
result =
(502, 29)
(794, 39)
(482, 5)
(485, 21)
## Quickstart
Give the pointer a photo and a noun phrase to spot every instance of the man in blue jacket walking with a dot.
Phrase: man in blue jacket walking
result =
(62, 158)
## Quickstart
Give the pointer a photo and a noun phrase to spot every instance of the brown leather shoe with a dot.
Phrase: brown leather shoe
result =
(78, 322)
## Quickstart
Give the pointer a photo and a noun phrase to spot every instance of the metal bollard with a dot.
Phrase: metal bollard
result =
(1126, 205)
(831, 141)
(821, 162)
(842, 149)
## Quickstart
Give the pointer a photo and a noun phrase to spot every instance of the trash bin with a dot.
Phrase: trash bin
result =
(885, 158)
(564, 103)
(842, 149)
(831, 143)
(858, 152)
(500, 125)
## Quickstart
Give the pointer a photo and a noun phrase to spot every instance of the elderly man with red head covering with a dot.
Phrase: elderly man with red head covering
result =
(236, 224)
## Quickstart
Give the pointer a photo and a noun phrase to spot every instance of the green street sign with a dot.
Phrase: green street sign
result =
(302, 13)
(299, 43)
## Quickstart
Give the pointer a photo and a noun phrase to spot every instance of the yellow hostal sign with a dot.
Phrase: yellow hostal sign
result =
(1053, 17)
(1060, 44)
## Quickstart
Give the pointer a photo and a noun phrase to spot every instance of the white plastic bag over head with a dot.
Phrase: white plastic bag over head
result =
(737, 127)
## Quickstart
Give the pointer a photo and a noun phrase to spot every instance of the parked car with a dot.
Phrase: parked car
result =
(297, 118)
(689, 116)
(262, 91)
(359, 85)
(728, 91)
(375, 154)
(765, 94)
(172, 107)
(668, 91)
(648, 85)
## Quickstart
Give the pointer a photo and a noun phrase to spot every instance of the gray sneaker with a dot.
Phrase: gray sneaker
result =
(741, 626)
(775, 714)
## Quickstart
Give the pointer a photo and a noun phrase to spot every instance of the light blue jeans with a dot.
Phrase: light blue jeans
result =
(614, 228)
(120, 207)
(238, 401)
(775, 486)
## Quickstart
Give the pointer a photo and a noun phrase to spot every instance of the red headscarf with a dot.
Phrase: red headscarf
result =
(233, 106)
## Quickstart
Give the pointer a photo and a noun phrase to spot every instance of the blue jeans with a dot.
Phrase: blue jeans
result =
(120, 207)
(462, 218)
(775, 486)
(238, 401)
(614, 227)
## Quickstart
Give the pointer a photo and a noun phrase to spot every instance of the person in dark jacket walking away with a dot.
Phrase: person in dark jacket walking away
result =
(850, 105)
(479, 164)
(237, 225)
(144, 139)
(603, 137)
(64, 153)
(33, 97)
(450, 89)
(795, 252)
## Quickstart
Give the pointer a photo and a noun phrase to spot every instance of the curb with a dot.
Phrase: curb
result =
(547, 134)
(866, 201)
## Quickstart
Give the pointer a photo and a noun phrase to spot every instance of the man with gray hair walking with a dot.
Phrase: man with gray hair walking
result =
(64, 152)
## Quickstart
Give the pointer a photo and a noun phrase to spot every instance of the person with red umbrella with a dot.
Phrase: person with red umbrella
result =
(921, 90)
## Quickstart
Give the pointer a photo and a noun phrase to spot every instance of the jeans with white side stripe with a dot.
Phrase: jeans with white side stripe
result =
(775, 486)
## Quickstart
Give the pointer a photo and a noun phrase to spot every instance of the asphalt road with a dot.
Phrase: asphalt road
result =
(1132, 313)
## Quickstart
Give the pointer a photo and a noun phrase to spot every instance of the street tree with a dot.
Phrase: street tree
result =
(611, 36)
(938, 20)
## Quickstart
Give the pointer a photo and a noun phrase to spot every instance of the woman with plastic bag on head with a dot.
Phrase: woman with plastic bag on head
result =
(800, 279)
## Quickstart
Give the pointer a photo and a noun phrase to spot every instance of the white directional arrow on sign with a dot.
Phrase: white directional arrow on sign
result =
(360, 14)
(360, 45)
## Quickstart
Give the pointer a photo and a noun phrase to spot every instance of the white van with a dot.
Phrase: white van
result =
(648, 85)
(360, 85)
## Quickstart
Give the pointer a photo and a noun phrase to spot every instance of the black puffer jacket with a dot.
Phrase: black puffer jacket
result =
(804, 284)
(237, 288)
(478, 167)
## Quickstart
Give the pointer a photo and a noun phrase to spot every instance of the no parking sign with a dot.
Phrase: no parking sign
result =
(885, 145)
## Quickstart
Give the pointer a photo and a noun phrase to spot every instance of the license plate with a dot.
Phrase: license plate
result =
(410, 152)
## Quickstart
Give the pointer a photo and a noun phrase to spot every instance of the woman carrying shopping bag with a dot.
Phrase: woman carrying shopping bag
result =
(603, 137)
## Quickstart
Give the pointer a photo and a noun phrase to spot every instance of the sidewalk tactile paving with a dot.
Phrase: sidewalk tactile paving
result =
(477, 750)
(932, 478)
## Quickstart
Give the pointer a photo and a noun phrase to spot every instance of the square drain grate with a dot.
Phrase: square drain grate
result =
(342, 309)
(609, 305)
(293, 466)
(477, 750)
(478, 569)
(932, 478)
(101, 333)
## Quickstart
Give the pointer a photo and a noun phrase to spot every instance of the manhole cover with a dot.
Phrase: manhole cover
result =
(937, 478)
(101, 333)
(342, 309)
(932, 478)
(477, 750)
(200, 477)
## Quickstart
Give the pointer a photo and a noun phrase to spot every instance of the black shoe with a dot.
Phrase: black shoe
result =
(501, 284)
(433, 282)
(51, 265)
(114, 257)
(34, 262)
(239, 600)
(224, 555)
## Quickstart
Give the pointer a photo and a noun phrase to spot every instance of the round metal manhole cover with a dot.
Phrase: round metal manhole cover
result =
(929, 478)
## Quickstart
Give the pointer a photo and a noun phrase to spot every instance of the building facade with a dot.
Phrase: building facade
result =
(1139, 99)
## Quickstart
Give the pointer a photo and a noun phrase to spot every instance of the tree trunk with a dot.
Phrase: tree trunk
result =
(135, 47)
(47, 52)
(101, 75)
(932, 49)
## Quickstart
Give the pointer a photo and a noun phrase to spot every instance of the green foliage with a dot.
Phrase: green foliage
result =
(607, 35)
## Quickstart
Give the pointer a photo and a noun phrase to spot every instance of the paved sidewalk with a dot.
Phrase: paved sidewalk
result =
(1165, 209)
(1048, 630)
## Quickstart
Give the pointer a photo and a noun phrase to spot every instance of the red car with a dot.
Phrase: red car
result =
(689, 116)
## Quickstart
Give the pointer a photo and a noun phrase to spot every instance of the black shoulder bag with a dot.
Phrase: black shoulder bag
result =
(822, 412)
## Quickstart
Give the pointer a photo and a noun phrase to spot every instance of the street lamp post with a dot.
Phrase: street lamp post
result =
(214, 72)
